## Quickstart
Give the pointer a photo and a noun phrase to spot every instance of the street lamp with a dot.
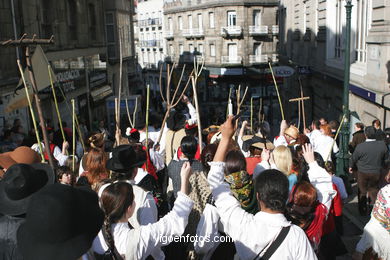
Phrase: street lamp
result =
(343, 156)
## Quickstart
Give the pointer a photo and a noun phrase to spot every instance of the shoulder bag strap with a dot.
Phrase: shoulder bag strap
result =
(275, 244)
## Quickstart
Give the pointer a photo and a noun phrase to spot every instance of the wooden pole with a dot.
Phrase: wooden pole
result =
(260, 109)
(197, 113)
(335, 137)
(228, 103)
(38, 106)
(31, 111)
(277, 90)
(147, 123)
(73, 135)
(118, 115)
(56, 104)
(252, 115)
(128, 114)
(303, 104)
(135, 112)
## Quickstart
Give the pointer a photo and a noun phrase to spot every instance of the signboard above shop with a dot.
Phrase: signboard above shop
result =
(281, 71)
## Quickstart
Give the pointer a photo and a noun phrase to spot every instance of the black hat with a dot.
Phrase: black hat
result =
(123, 159)
(61, 223)
(256, 141)
(176, 120)
(19, 183)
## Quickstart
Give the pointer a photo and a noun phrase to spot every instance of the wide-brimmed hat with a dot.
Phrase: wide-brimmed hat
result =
(256, 141)
(123, 159)
(176, 120)
(292, 131)
(210, 129)
(19, 183)
(61, 223)
(22, 154)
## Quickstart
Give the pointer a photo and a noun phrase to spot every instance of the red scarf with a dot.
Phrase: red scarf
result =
(314, 231)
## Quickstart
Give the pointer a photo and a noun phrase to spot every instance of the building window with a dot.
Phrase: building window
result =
(200, 49)
(72, 19)
(180, 21)
(256, 17)
(92, 21)
(171, 50)
(189, 21)
(170, 25)
(339, 30)
(257, 49)
(191, 48)
(211, 20)
(212, 50)
(110, 35)
(181, 49)
(232, 18)
(363, 24)
(232, 51)
(200, 21)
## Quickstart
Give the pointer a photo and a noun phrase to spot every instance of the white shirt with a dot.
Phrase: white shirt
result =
(252, 233)
(324, 146)
(280, 140)
(313, 135)
(57, 153)
(139, 243)
(191, 119)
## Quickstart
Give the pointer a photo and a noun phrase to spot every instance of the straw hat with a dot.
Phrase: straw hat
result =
(256, 141)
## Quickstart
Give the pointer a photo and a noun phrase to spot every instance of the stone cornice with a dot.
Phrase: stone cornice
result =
(178, 6)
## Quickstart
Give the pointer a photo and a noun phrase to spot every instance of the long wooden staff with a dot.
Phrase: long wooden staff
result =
(135, 112)
(197, 113)
(118, 108)
(31, 112)
(335, 138)
(252, 115)
(128, 114)
(147, 123)
(277, 90)
(56, 105)
(303, 104)
(260, 109)
(74, 135)
(81, 137)
(229, 103)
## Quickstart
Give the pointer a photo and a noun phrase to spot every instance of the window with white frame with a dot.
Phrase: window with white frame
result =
(170, 24)
(256, 17)
(212, 50)
(189, 21)
(363, 24)
(180, 22)
(231, 18)
(211, 20)
(171, 50)
(338, 47)
(200, 21)
(200, 49)
(181, 49)
(191, 47)
(257, 49)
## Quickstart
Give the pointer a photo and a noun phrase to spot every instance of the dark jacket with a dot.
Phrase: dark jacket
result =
(369, 157)
(174, 169)
(8, 246)
(358, 138)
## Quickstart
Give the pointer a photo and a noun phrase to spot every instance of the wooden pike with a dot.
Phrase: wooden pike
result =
(74, 135)
(31, 111)
(56, 104)
(147, 123)
(277, 90)
(335, 138)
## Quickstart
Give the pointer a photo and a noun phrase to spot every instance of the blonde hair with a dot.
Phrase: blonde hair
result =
(283, 159)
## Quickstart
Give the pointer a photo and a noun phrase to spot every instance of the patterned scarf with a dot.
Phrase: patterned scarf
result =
(241, 185)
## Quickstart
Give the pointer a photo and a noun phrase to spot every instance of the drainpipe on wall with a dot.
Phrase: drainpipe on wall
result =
(383, 104)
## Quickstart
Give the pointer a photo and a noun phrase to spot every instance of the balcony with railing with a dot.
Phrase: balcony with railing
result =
(230, 31)
(169, 35)
(254, 59)
(231, 59)
(193, 33)
(151, 43)
(275, 29)
(187, 33)
(150, 22)
(256, 30)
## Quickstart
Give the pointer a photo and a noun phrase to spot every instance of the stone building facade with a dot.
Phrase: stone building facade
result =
(312, 36)
(234, 38)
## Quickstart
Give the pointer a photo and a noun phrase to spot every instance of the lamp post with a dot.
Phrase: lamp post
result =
(342, 158)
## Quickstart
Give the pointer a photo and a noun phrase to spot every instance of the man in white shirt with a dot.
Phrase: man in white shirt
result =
(253, 234)
(314, 134)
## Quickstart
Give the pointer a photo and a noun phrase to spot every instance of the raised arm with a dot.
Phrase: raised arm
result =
(173, 224)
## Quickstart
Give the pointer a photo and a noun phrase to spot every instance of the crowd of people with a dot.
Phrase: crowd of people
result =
(163, 194)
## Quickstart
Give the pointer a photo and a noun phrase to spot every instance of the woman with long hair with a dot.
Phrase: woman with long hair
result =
(280, 159)
(305, 211)
(94, 162)
(119, 241)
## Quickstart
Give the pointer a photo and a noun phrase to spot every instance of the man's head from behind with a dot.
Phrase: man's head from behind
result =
(272, 191)
(370, 132)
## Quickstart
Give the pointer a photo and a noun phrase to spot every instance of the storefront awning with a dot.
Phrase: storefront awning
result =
(101, 93)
